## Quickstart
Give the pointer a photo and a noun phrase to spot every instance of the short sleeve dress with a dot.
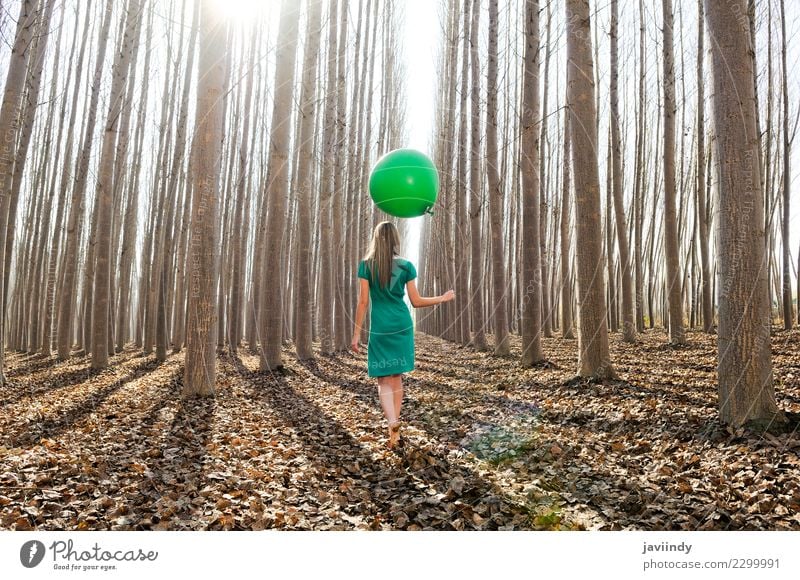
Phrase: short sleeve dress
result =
(390, 349)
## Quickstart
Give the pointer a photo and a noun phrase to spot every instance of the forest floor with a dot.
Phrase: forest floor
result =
(487, 444)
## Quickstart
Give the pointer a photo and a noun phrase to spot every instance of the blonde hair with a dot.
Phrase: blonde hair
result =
(383, 247)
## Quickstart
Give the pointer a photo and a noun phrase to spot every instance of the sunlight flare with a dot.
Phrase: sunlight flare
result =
(241, 11)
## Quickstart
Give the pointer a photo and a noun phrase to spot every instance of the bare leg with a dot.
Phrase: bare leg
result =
(386, 395)
(397, 387)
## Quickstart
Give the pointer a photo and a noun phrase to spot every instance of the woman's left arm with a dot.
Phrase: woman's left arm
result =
(361, 311)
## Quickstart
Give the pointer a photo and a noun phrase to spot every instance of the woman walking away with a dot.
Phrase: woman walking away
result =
(385, 277)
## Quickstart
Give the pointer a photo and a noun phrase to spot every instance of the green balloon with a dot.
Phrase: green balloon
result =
(404, 183)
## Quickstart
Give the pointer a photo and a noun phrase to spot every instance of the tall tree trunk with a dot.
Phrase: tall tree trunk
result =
(272, 312)
(200, 370)
(171, 199)
(628, 325)
(638, 188)
(499, 311)
(593, 354)
(305, 241)
(546, 300)
(613, 319)
(788, 312)
(153, 243)
(120, 191)
(238, 232)
(705, 269)
(769, 163)
(676, 331)
(65, 311)
(30, 106)
(327, 269)
(476, 266)
(102, 279)
(9, 130)
(442, 221)
(130, 218)
(340, 314)
(567, 330)
(746, 393)
(462, 219)
(529, 159)
(55, 246)
(355, 236)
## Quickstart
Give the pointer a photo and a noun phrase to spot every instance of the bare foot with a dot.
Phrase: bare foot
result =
(394, 434)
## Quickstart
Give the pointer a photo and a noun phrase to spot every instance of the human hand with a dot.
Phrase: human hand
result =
(354, 344)
(448, 296)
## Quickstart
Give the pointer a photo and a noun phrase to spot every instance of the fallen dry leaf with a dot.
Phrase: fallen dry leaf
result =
(487, 445)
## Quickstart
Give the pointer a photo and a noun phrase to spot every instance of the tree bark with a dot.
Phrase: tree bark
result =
(65, 311)
(103, 205)
(9, 130)
(305, 241)
(705, 269)
(788, 311)
(546, 300)
(238, 233)
(746, 393)
(567, 330)
(476, 266)
(272, 312)
(327, 269)
(676, 330)
(638, 188)
(593, 354)
(340, 313)
(613, 319)
(628, 324)
(499, 311)
(462, 219)
(29, 108)
(529, 159)
(200, 371)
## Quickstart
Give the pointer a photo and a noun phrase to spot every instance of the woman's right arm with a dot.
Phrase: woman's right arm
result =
(361, 310)
(418, 301)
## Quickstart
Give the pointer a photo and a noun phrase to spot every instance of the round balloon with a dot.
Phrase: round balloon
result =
(404, 183)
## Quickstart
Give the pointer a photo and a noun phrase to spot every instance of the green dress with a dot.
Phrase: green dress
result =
(390, 349)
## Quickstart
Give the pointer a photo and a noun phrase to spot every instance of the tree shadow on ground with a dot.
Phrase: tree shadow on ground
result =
(18, 387)
(178, 458)
(34, 430)
(17, 392)
(419, 412)
(24, 365)
(412, 488)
